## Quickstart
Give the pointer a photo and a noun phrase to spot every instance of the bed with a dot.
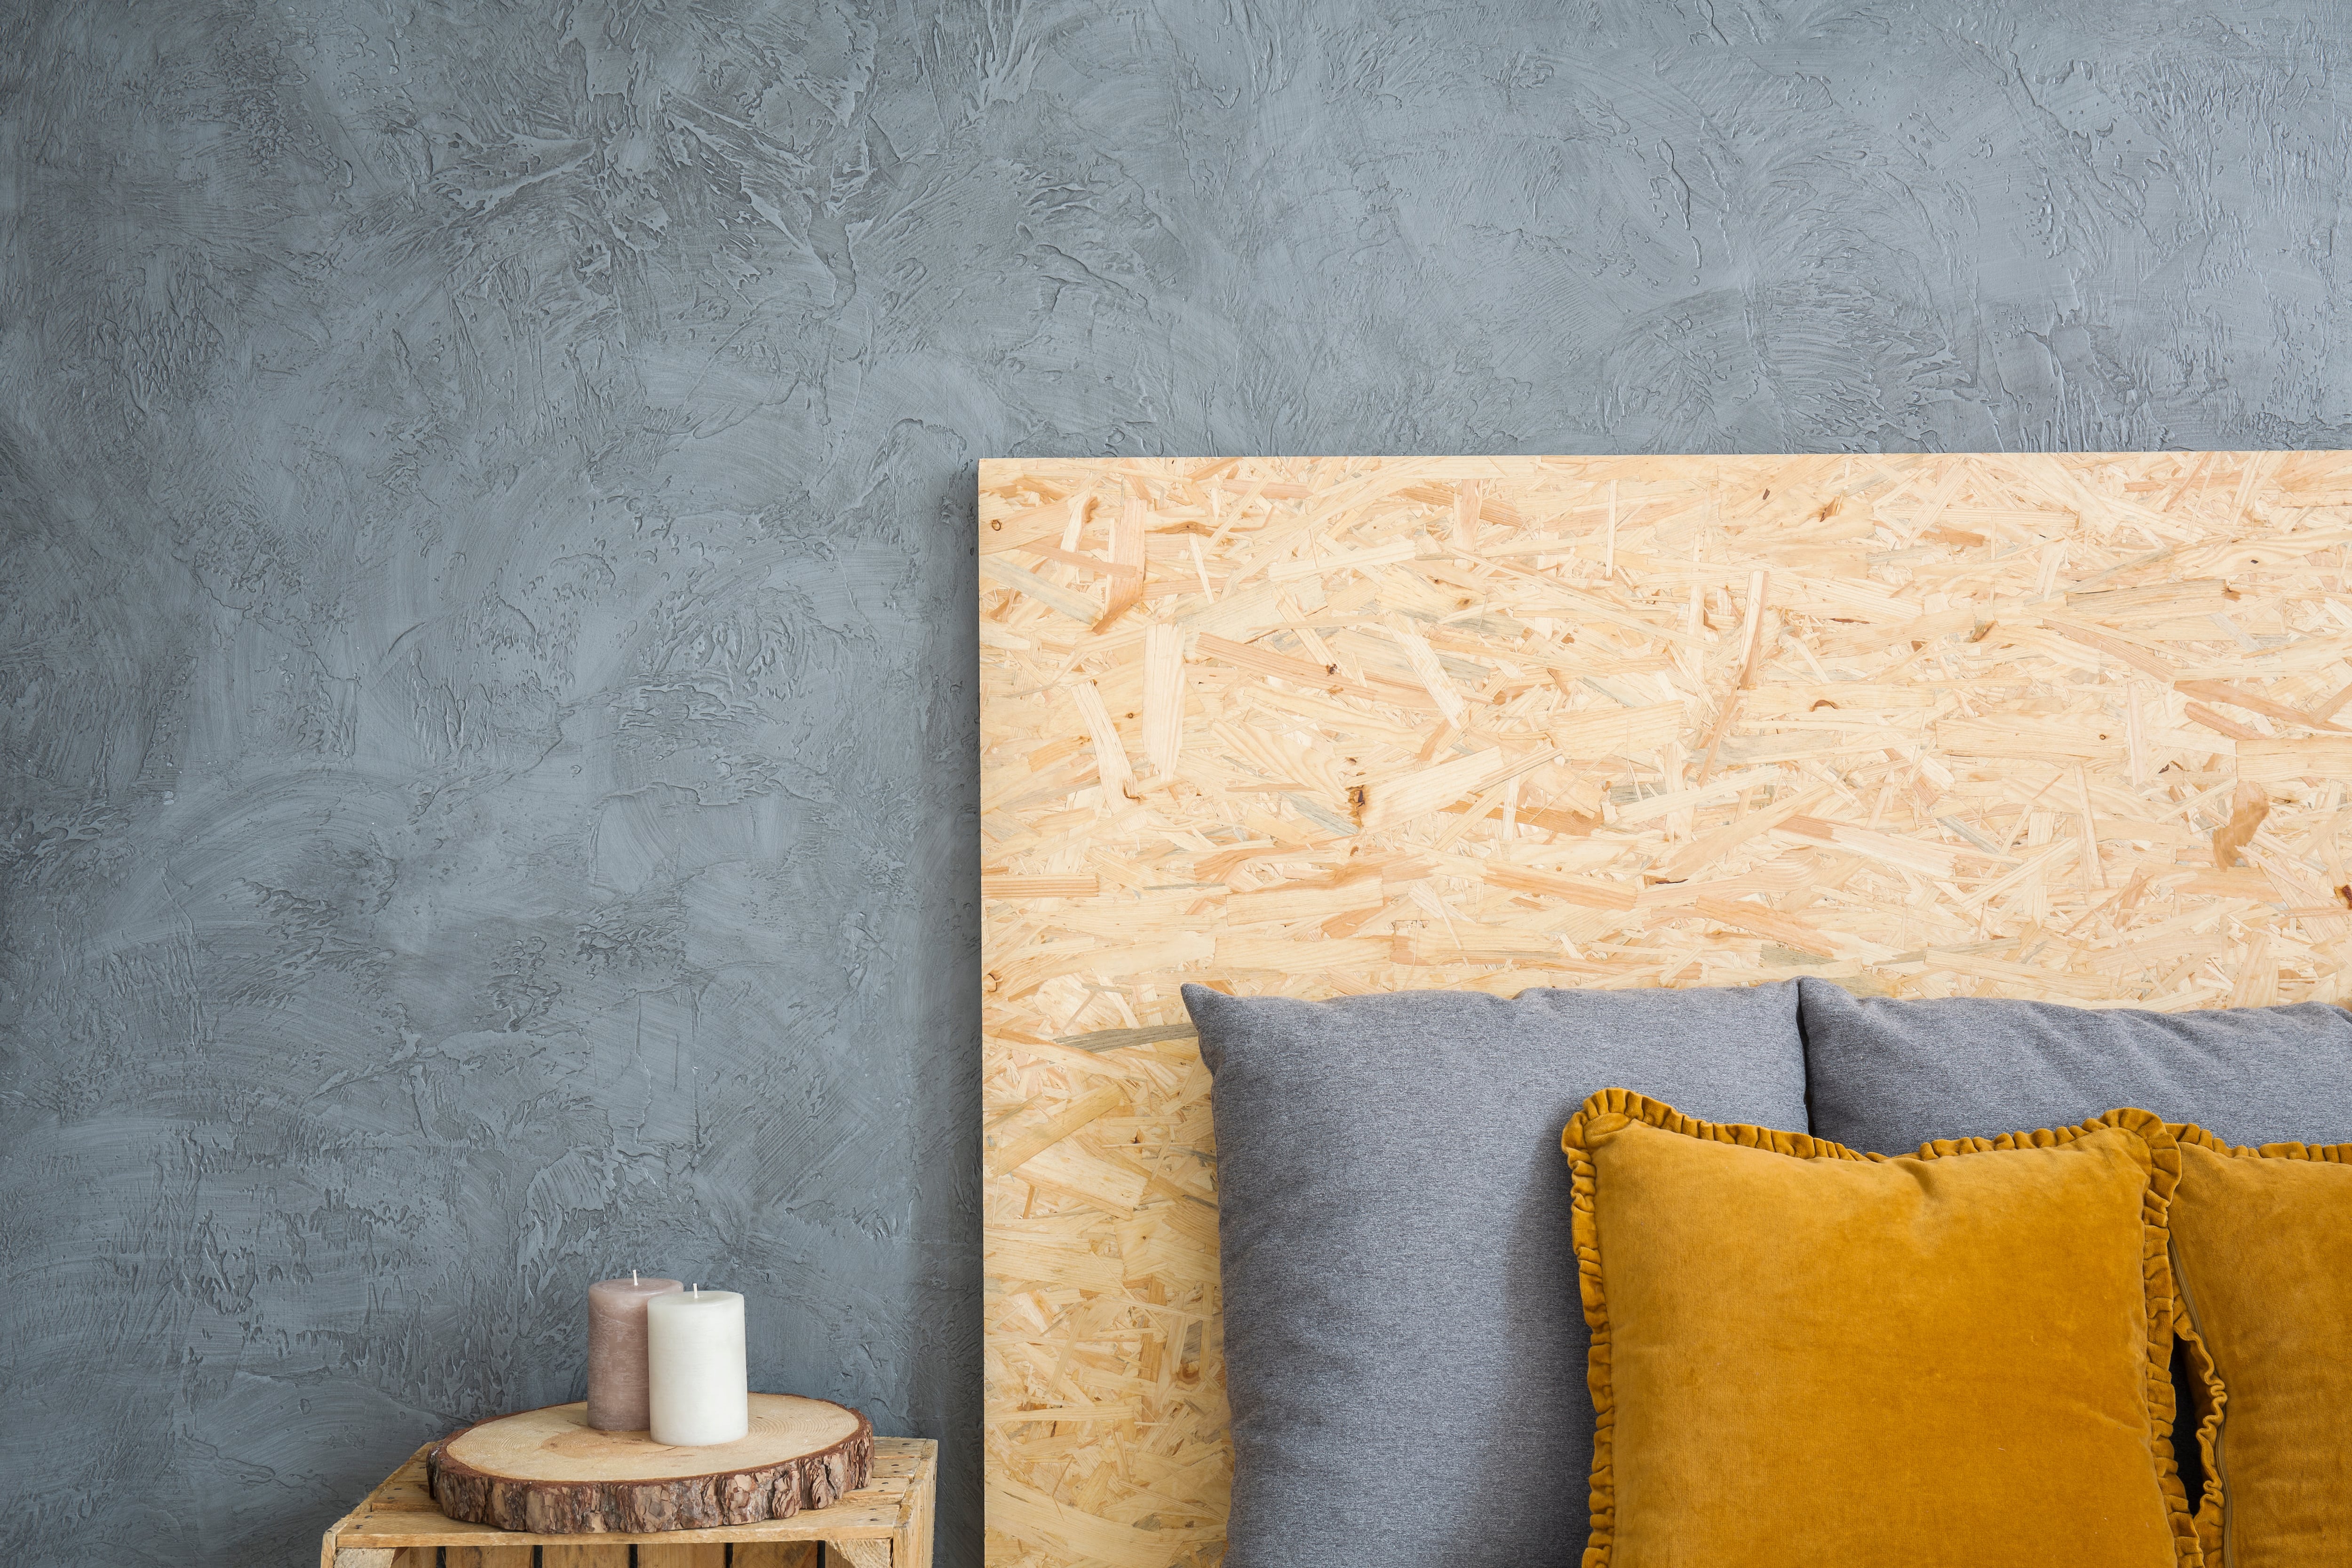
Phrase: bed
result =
(2057, 727)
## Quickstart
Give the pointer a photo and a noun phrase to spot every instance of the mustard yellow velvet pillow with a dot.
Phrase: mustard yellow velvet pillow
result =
(1803, 1356)
(2261, 1241)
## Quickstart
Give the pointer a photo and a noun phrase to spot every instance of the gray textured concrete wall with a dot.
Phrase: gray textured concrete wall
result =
(486, 796)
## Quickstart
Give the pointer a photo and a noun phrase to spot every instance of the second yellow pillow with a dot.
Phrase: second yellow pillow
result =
(1804, 1355)
(2263, 1240)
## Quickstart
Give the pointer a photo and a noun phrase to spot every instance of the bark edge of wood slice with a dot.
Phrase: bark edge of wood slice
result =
(550, 1472)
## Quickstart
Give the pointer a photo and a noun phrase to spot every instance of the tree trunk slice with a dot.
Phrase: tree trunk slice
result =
(549, 1471)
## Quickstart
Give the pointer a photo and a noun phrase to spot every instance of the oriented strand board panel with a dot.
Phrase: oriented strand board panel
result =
(2072, 727)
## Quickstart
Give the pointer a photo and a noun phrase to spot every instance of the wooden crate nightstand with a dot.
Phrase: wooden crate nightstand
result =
(887, 1524)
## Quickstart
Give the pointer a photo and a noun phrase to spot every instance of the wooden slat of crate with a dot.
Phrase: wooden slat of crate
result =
(892, 1515)
(761, 1554)
(483, 1556)
(1921, 724)
(703, 1555)
(593, 1555)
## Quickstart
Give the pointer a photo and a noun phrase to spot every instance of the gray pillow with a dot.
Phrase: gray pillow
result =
(1404, 1341)
(1889, 1075)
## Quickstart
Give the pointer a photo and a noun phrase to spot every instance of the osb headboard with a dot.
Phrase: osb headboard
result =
(2055, 727)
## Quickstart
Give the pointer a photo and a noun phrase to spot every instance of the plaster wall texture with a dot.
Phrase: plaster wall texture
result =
(487, 726)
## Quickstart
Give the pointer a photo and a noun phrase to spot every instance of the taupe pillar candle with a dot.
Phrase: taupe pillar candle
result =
(617, 1393)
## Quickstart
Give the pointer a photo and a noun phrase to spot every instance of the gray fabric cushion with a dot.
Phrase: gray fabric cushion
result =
(1889, 1075)
(1404, 1342)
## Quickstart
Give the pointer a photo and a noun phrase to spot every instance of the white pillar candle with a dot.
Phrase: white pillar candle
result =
(697, 1376)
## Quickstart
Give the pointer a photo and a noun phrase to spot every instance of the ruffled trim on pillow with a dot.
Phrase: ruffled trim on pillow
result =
(1611, 1108)
(2214, 1399)
(2211, 1514)
(2325, 1154)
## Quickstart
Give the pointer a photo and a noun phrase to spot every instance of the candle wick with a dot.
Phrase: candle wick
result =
(632, 1276)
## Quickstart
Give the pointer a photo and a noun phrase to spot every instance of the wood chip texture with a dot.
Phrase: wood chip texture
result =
(2070, 727)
